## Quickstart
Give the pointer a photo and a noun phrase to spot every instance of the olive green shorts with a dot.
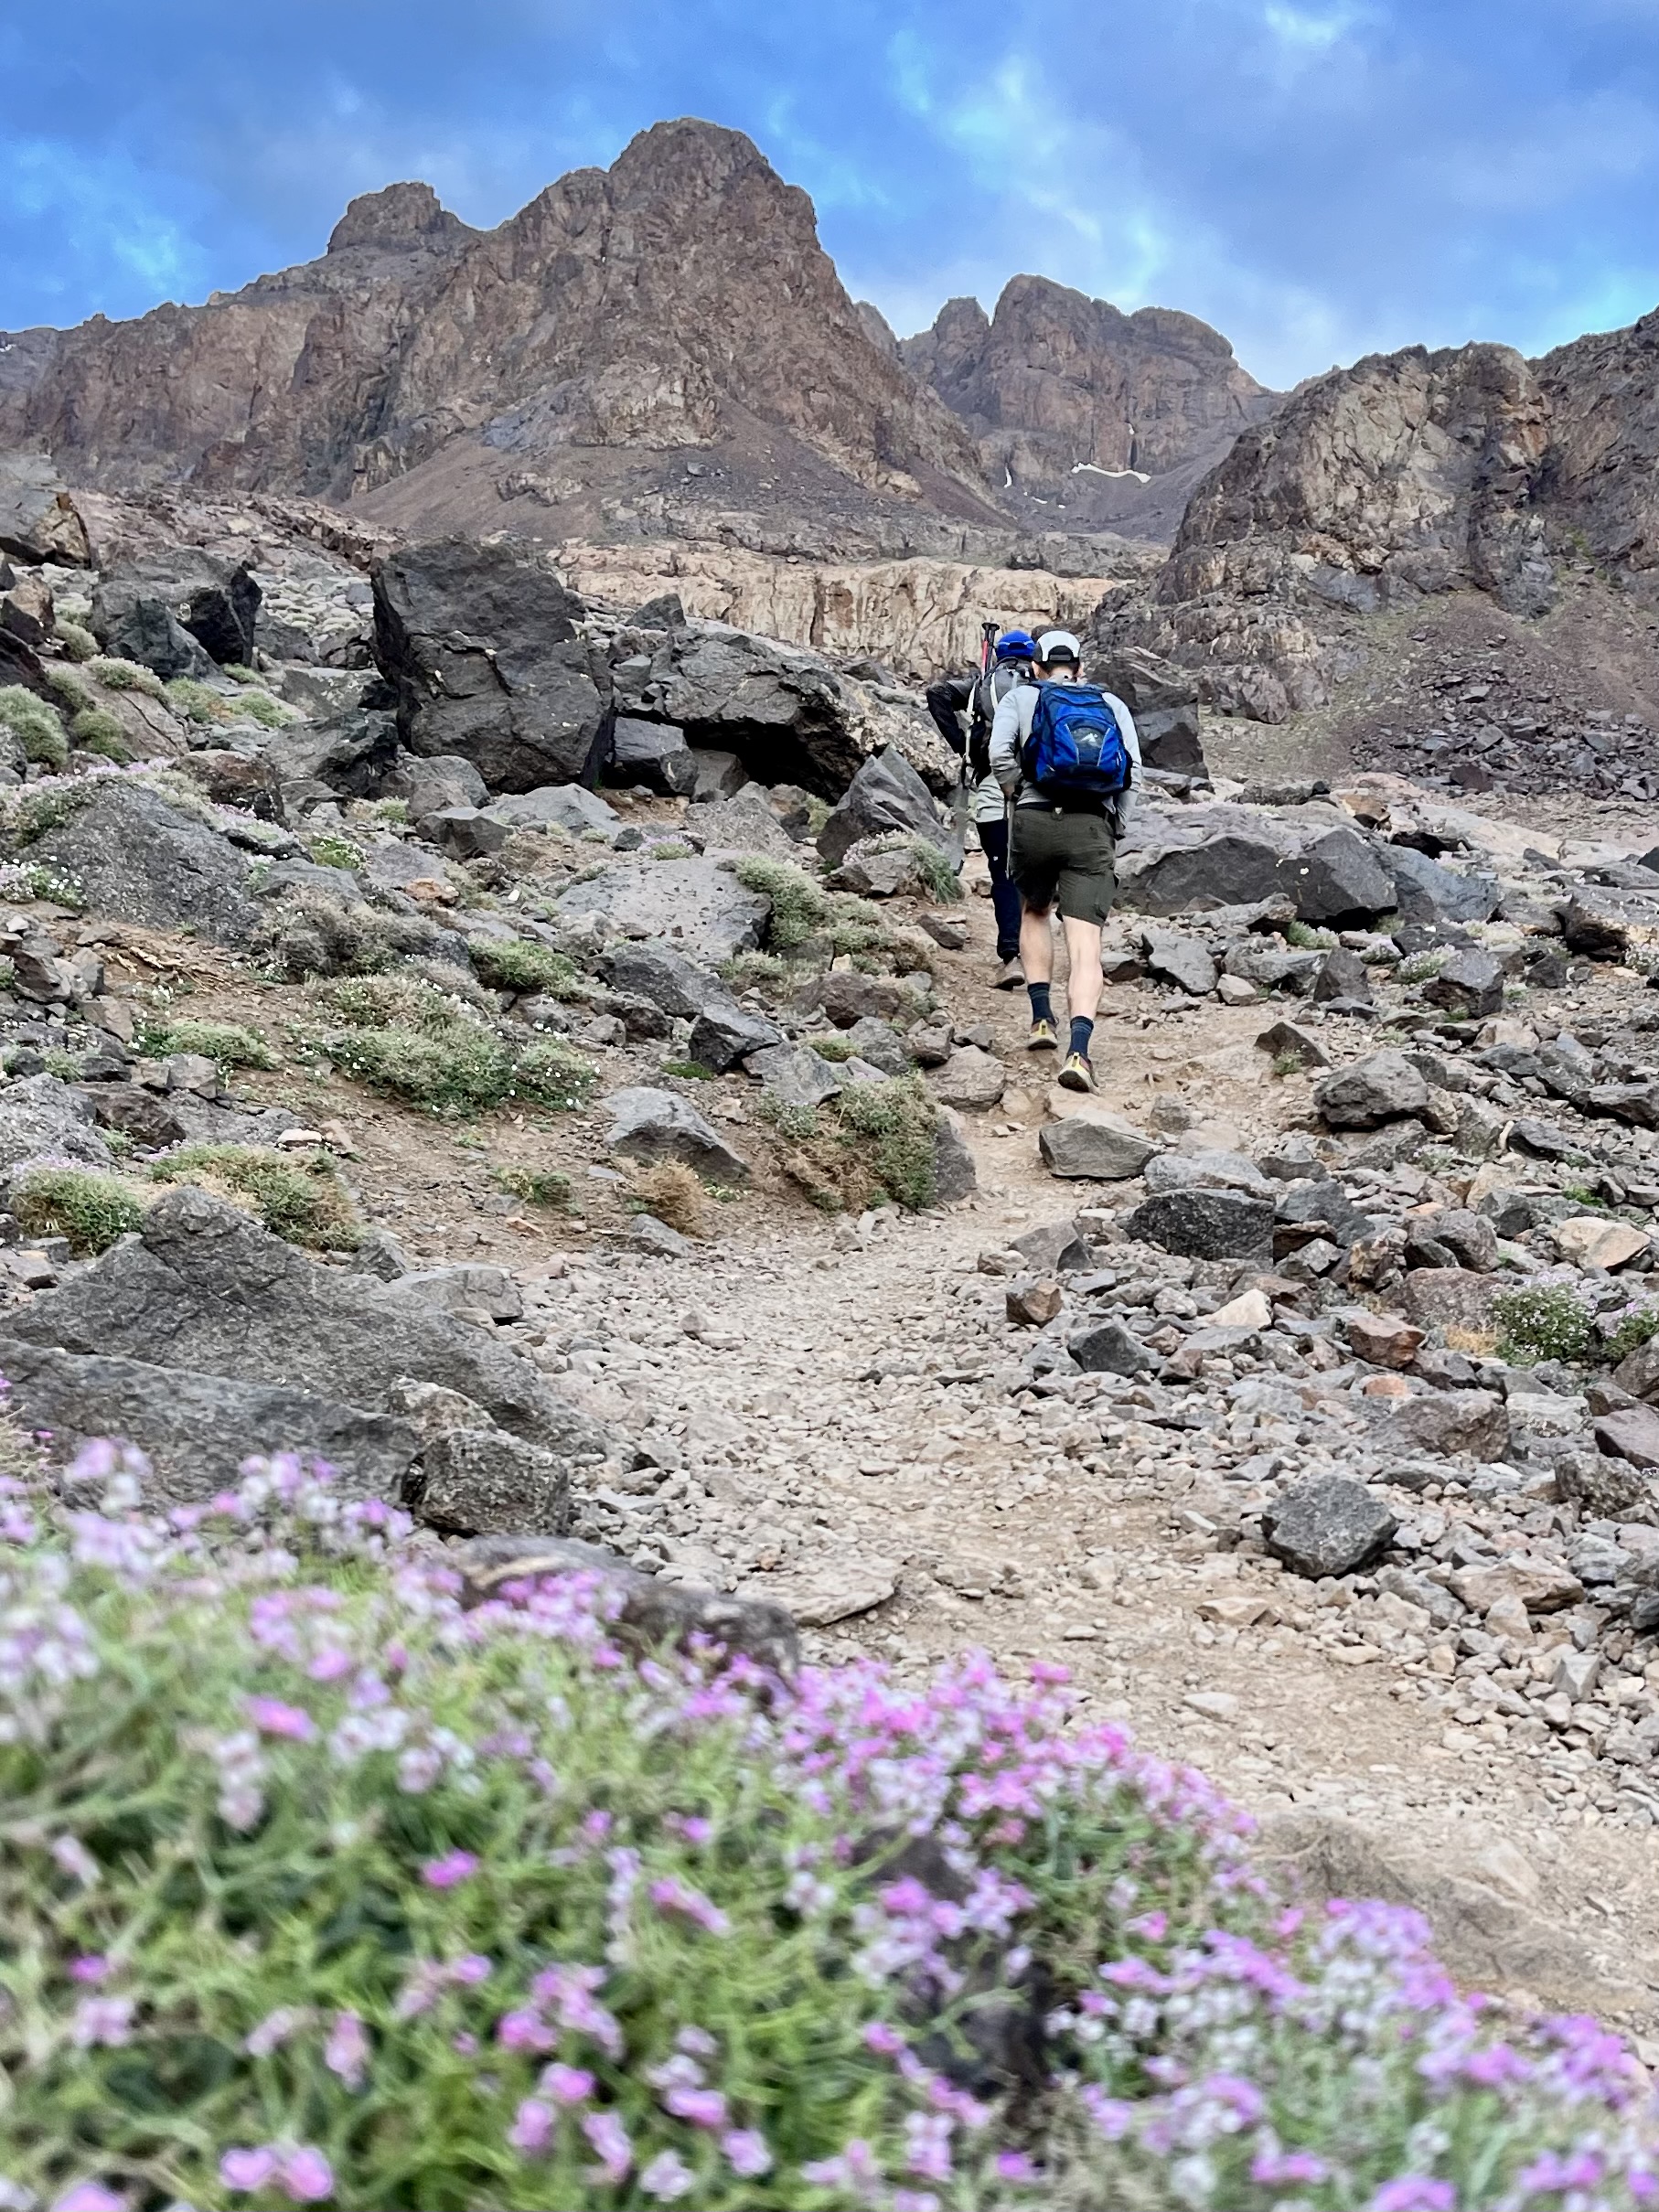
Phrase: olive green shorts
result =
(1065, 860)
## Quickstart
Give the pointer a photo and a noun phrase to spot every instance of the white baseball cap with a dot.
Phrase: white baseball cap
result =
(1058, 641)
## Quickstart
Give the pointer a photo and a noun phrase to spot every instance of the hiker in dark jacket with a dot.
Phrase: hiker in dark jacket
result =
(1061, 851)
(973, 701)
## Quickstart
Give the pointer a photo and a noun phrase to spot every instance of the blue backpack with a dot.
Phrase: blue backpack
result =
(1076, 748)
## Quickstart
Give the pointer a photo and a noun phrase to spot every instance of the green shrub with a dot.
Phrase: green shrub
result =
(228, 1042)
(92, 1210)
(468, 1071)
(1307, 939)
(789, 1119)
(688, 1070)
(519, 964)
(536, 1186)
(240, 672)
(1423, 966)
(673, 849)
(901, 1117)
(553, 1076)
(69, 686)
(125, 676)
(1543, 1324)
(302, 1200)
(76, 640)
(330, 848)
(1634, 1330)
(307, 933)
(389, 811)
(195, 702)
(940, 880)
(96, 730)
(834, 1049)
(263, 707)
(37, 725)
(803, 909)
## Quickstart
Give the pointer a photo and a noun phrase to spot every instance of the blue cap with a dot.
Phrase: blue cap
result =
(1016, 645)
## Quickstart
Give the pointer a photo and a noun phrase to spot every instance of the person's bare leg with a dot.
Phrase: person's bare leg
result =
(1083, 959)
(1037, 946)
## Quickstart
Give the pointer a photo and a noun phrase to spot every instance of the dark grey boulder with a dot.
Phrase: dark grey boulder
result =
(1053, 1249)
(444, 780)
(955, 1177)
(796, 1075)
(1181, 960)
(1236, 868)
(653, 1124)
(38, 518)
(725, 1033)
(1327, 1526)
(666, 611)
(1425, 892)
(180, 612)
(885, 794)
(482, 1482)
(1383, 1088)
(654, 1614)
(1110, 1349)
(650, 969)
(1452, 1237)
(579, 812)
(1164, 700)
(1094, 1145)
(480, 645)
(465, 833)
(133, 624)
(1321, 1203)
(1342, 974)
(198, 1428)
(201, 1286)
(354, 752)
(1336, 877)
(1205, 1224)
(1271, 966)
(694, 903)
(653, 753)
(1470, 984)
(140, 857)
(1471, 1422)
(43, 1117)
(781, 708)
(879, 1044)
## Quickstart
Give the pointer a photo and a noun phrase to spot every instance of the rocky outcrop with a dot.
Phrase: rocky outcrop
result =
(1599, 476)
(644, 306)
(1064, 394)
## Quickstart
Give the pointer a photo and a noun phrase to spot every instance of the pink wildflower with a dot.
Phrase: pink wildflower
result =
(347, 2051)
(666, 2176)
(454, 1867)
(610, 2142)
(90, 2196)
(746, 2152)
(306, 2176)
(271, 1717)
(567, 2084)
(247, 2169)
(672, 1896)
(102, 2020)
(93, 1967)
(532, 2128)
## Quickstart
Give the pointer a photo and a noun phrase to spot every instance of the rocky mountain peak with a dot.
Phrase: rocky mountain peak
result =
(398, 215)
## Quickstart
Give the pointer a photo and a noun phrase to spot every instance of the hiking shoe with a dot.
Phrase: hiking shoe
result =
(1041, 1038)
(1076, 1075)
(1010, 977)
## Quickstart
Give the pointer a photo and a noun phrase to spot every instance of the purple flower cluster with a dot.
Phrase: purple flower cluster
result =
(616, 1932)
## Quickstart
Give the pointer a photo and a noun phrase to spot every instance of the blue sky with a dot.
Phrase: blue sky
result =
(1319, 179)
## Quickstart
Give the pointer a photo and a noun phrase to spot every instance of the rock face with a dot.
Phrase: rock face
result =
(38, 520)
(1067, 396)
(479, 641)
(139, 857)
(633, 306)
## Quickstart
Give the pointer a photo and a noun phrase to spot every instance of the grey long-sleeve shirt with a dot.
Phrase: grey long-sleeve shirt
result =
(1011, 729)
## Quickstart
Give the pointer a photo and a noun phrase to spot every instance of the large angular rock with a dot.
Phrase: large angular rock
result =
(473, 1286)
(745, 824)
(653, 753)
(699, 907)
(482, 1482)
(132, 622)
(725, 1033)
(1180, 960)
(1336, 877)
(1452, 1237)
(971, 1079)
(138, 857)
(38, 519)
(1450, 1298)
(955, 1177)
(1342, 976)
(41, 1118)
(653, 1124)
(1475, 1422)
(443, 780)
(1470, 985)
(203, 1287)
(651, 969)
(796, 1075)
(1383, 1088)
(353, 752)
(1425, 892)
(1164, 700)
(480, 644)
(1110, 1349)
(1271, 966)
(198, 1428)
(1632, 1433)
(1320, 1203)
(1094, 1145)
(1234, 868)
(569, 807)
(1327, 1526)
(654, 1614)
(1208, 1170)
(1205, 1224)
(885, 794)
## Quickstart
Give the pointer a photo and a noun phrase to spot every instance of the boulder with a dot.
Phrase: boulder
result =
(38, 519)
(134, 624)
(796, 1075)
(1268, 965)
(745, 824)
(1336, 877)
(1342, 974)
(698, 906)
(198, 1428)
(1450, 1298)
(1110, 1349)
(653, 753)
(1470, 985)
(653, 1613)
(1591, 1240)
(140, 857)
(1286, 1041)
(1632, 1433)
(650, 969)
(465, 833)
(1053, 1249)
(203, 1287)
(1234, 868)
(885, 794)
(1205, 1224)
(725, 1033)
(1635, 1103)
(472, 1287)
(879, 868)
(1451, 1237)
(1425, 892)
(1180, 960)
(719, 775)
(1205, 1170)
(1469, 1422)
(1385, 1340)
(1094, 1145)
(1533, 1583)
(1383, 1088)
(568, 807)
(479, 643)
(1164, 700)
(41, 1118)
(970, 1080)
(845, 996)
(482, 1482)
(1319, 1204)
(443, 780)
(879, 1045)
(653, 1124)
(1327, 1526)
(955, 1177)
(354, 752)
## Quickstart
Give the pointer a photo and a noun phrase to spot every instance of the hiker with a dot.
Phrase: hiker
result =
(976, 699)
(1064, 754)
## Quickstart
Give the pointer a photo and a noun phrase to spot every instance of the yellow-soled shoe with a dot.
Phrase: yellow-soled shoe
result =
(1041, 1038)
(1076, 1075)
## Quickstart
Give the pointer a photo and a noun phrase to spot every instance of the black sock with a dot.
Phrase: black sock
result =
(1041, 1011)
(1082, 1030)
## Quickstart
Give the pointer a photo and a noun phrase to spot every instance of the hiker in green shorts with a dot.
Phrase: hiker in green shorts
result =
(1066, 754)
